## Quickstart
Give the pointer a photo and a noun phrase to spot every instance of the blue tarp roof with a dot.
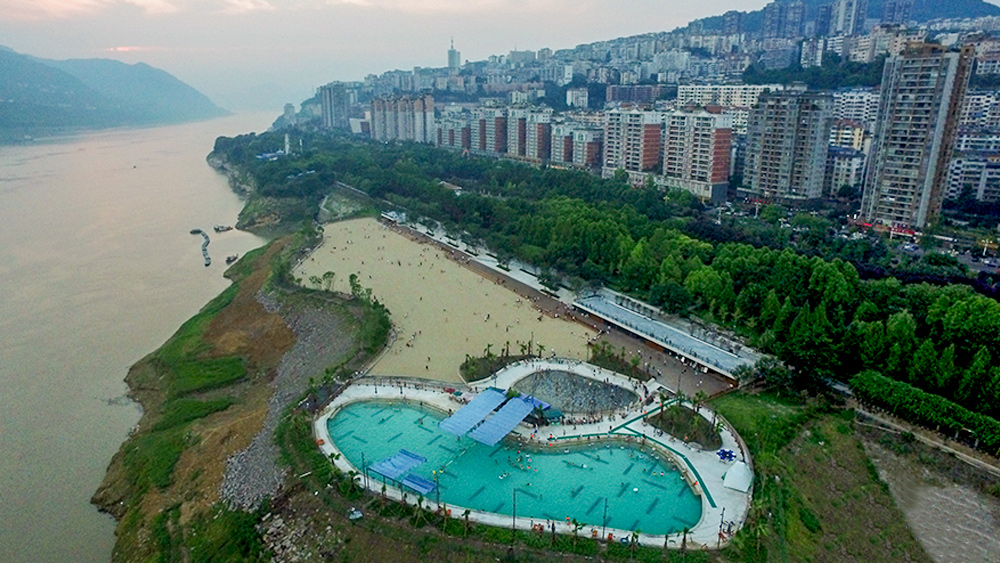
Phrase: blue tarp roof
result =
(498, 425)
(400, 462)
(473, 413)
(419, 484)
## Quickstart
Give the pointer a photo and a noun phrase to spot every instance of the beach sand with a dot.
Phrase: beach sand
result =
(441, 311)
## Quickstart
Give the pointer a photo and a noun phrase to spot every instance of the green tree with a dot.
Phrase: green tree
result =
(975, 380)
(923, 366)
(944, 381)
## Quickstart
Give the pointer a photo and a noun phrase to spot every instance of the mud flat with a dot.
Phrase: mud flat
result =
(441, 311)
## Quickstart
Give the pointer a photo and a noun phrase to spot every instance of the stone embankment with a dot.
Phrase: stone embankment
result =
(254, 474)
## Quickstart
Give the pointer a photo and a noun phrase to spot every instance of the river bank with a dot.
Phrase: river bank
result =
(97, 269)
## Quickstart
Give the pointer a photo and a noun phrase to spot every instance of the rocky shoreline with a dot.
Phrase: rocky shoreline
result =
(254, 474)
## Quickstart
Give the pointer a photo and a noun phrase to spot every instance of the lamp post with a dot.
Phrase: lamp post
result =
(364, 469)
(513, 518)
(604, 528)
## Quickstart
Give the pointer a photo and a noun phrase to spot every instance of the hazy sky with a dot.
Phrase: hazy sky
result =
(258, 54)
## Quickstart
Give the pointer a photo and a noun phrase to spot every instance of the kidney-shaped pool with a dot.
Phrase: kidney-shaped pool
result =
(634, 486)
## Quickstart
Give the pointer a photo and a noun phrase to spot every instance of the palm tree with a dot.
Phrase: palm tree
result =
(684, 539)
(577, 526)
(466, 516)
(699, 399)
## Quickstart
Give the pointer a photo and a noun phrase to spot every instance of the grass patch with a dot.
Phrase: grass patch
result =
(474, 369)
(815, 498)
(183, 353)
(604, 355)
(226, 535)
(687, 425)
(203, 375)
(165, 531)
(150, 458)
(181, 411)
(767, 422)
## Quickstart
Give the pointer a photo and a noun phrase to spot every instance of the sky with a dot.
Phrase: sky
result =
(251, 55)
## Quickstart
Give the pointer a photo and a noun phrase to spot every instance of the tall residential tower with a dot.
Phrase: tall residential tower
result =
(919, 107)
(787, 140)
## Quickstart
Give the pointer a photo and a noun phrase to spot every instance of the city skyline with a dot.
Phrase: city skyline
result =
(259, 54)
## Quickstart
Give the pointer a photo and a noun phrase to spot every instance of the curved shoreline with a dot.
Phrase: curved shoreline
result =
(701, 469)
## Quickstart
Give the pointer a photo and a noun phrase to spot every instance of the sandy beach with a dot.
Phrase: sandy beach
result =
(441, 311)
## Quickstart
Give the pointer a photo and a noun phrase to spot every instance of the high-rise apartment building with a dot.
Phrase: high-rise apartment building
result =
(858, 104)
(632, 141)
(488, 130)
(981, 109)
(844, 167)
(538, 135)
(335, 101)
(848, 17)
(404, 119)
(562, 143)
(848, 134)
(977, 172)
(587, 146)
(896, 11)
(517, 131)
(732, 22)
(696, 149)
(787, 142)
(783, 19)
(921, 97)
(453, 129)
(725, 95)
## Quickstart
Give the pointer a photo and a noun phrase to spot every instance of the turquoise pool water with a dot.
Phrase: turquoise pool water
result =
(551, 483)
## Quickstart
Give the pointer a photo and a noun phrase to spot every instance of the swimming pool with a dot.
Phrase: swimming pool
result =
(639, 490)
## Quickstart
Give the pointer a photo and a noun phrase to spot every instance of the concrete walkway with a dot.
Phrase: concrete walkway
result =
(702, 469)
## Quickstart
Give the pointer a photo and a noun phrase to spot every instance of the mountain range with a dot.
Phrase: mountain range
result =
(44, 97)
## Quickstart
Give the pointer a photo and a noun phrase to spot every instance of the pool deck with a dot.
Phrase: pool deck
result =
(702, 469)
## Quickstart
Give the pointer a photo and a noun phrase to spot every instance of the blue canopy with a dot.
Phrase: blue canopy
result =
(473, 413)
(398, 464)
(501, 423)
(419, 484)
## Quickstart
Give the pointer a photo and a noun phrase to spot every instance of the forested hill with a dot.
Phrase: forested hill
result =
(42, 96)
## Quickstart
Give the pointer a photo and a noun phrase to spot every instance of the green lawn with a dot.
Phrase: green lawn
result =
(816, 494)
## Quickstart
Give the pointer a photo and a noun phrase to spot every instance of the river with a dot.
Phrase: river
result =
(97, 269)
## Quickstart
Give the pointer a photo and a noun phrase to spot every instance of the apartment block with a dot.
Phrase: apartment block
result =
(725, 95)
(787, 142)
(336, 99)
(859, 105)
(632, 142)
(404, 119)
(696, 151)
(588, 146)
(848, 134)
(844, 167)
(921, 96)
(562, 143)
(979, 172)
(488, 130)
